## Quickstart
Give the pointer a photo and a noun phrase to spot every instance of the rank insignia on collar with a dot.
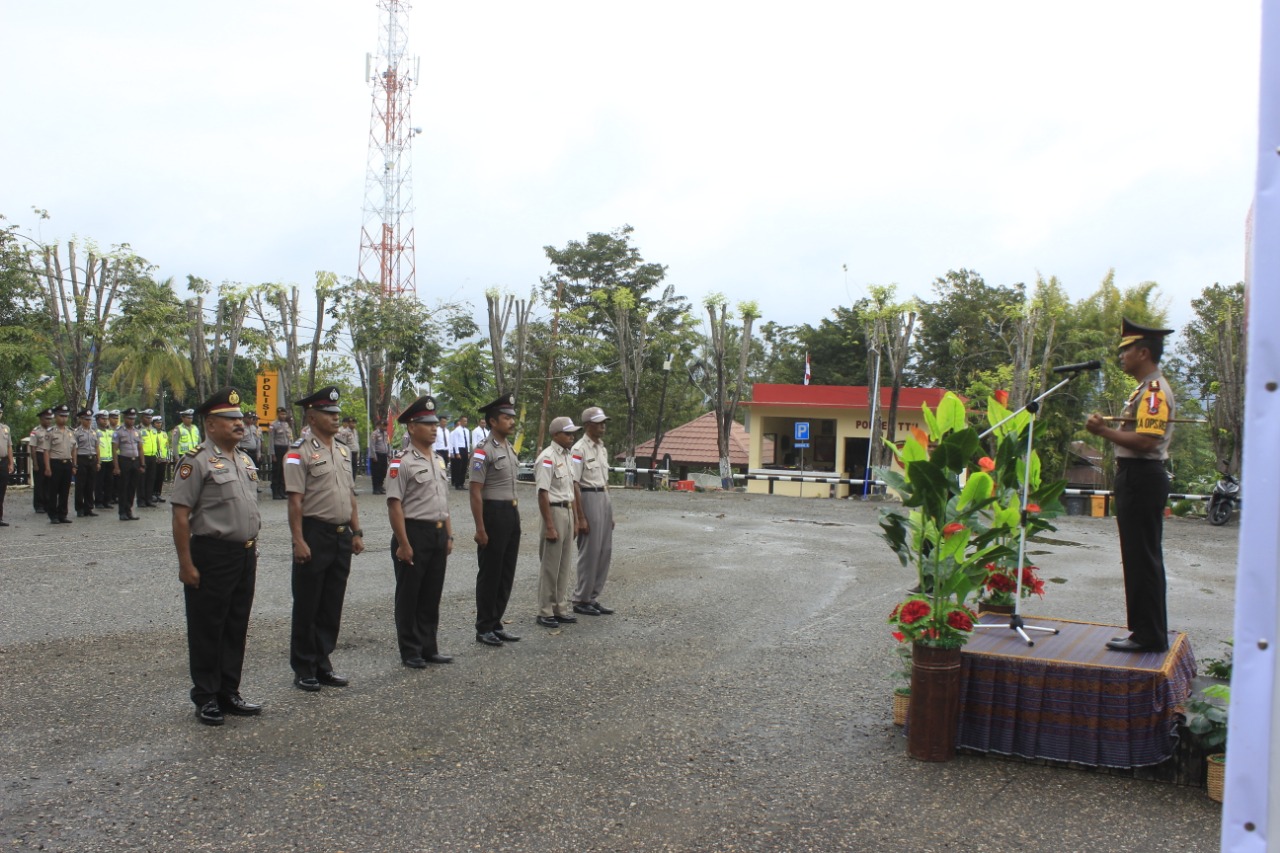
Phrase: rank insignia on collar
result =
(343, 451)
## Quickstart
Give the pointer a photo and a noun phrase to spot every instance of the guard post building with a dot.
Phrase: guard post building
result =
(822, 430)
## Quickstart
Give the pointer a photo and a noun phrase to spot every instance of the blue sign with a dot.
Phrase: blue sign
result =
(802, 430)
(802, 444)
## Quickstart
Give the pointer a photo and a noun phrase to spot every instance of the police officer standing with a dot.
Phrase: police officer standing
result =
(1142, 486)
(6, 462)
(127, 449)
(497, 517)
(186, 435)
(281, 437)
(252, 441)
(103, 483)
(595, 532)
(36, 447)
(162, 459)
(422, 540)
(325, 525)
(149, 449)
(558, 503)
(215, 531)
(59, 462)
(380, 451)
(86, 437)
(113, 489)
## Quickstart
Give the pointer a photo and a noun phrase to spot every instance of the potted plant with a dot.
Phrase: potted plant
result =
(902, 693)
(1207, 720)
(939, 532)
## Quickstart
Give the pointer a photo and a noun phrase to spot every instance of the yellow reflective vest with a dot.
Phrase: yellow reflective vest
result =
(188, 438)
(105, 453)
(149, 442)
(162, 444)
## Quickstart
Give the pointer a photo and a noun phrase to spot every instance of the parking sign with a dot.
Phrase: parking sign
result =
(802, 430)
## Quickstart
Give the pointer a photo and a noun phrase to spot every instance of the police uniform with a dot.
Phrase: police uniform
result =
(347, 435)
(127, 446)
(6, 463)
(418, 486)
(150, 447)
(86, 438)
(36, 447)
(493, 472)
(380, 451)
(104, 493)
(252, 441)
(60, 462)
(162, 459)
(595, 548)
(215, 498)
(321, 474)
(281, 437)
(553, 479)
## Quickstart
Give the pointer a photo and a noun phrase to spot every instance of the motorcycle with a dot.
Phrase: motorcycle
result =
(1225, 498)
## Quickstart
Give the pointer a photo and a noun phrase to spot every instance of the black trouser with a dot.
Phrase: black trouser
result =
(1142, 490)
(458, 471)
(37, 481)
(277, 470)
(86, 479)
(146, 478)
(58, 488)
(157, 482)
(4, 482)
(497, 563)
(418, 587)
(130, 470)
(319, 586)
(218, 615)
(105, 487)
(379, 471)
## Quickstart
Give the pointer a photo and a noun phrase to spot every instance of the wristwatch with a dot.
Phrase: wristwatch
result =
(359, 533)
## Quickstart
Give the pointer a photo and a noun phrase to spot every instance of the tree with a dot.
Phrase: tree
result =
(892, 324)
(24, 328)
(499, 322)
(965, 331)
(1213, 346)
(729, 389)
(146, 341)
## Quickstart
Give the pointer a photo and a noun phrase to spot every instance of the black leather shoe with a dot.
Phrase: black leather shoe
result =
(414, 663)
(308, 683)
(4, 524)
(506, 636)
(132, 517)
(210, 714)
(601, 609)
(65, 520)
(90, 514)
(332, 679)
(237, 706)
(54, 521)
(439, 658)
(488, 638)
(1127, 645)
(158, 499)
(566, 619)
(548, 622)
(585, 609)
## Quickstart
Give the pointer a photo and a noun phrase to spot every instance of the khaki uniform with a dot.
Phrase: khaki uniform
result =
(86, 460)
(420, 483)
(60, 447)
(595, 550)
(552, 474)
(494, 465)
(281, 437)
(128, 443)
(221, 491)
(6, 448)
(322, 475)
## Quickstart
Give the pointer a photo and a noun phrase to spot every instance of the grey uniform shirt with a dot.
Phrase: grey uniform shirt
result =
(591, 460)
(6, 441)
(37, 439)
(1149, 410)
(494, 465)
(60, 443)
(378, 442)
(252, 441)
(129, 440)
(348, 437)
(86, 441)
(420, 482)
(281, 433)
(221, 489)
(551, 474)
(322, 475)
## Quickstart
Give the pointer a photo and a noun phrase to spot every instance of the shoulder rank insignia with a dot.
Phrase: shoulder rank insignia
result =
(298, 443)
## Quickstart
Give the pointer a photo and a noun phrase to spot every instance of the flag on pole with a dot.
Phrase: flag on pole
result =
(807, 369)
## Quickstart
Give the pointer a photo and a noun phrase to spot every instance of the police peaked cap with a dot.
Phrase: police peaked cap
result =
(224, 403)
(1131, 333)
(45, 413)
(420, 411)
(324, 400)
(84, 413)
(504, 405)
(64, 409)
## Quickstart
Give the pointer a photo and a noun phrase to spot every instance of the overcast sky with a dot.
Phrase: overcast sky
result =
(756, 148)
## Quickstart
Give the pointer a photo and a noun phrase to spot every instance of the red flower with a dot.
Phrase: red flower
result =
(1033, 507)
(1031, 582)
(1002, 397)
(899, 636)
(1000, 582)
(987, 464)
(952, 528)
(913, 611)
(959, 620)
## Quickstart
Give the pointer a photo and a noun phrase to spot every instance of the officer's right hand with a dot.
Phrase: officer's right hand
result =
(189, 575)
(482, 538)
(301, 552)
(404, 553)
(551, 534)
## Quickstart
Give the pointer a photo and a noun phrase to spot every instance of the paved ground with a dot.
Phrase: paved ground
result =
(739, 700)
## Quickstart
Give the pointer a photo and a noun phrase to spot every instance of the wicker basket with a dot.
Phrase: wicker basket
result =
(901, 701)
(1217, 776)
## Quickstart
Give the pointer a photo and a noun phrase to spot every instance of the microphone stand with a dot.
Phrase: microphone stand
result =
(1016, 622)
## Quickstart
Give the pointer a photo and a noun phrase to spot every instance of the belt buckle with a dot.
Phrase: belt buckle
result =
(515, 502)
(249, 544)
(439, 524)
(341, 528)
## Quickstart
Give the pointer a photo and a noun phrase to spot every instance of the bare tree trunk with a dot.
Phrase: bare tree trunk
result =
(237, 311)
(551, 363)
(199, 355)
(897, 364)
(215, 362)
(315, 341)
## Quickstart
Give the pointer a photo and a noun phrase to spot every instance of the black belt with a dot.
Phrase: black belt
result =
(563, 504)
(591, 488)
(87, 456)
(418, 522)
(60, 461)
(1125, 461)
(504, 502)
(327, 525)
(229, 544)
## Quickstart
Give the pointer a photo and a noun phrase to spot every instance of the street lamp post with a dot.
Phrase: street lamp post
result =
(662, 405)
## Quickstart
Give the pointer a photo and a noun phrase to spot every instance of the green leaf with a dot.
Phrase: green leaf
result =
(912, 452)
(930, 422)
(951, 414)
(977, 488)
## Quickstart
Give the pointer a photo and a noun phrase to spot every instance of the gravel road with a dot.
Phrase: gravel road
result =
(738, 699)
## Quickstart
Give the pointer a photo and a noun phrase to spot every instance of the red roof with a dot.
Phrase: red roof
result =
(838, 396)
(694, 443)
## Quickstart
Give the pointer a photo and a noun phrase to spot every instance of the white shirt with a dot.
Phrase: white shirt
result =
(460, 441)
(442, 439)
(479, 435)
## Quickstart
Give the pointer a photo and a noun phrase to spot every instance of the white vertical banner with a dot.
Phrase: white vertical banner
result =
(1251, 812)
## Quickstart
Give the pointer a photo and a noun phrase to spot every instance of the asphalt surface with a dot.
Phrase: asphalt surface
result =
(739, 699)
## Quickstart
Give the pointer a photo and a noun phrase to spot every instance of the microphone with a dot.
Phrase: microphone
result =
(1077, 368)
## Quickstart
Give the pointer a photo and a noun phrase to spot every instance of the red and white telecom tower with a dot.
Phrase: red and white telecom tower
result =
(386, 240)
